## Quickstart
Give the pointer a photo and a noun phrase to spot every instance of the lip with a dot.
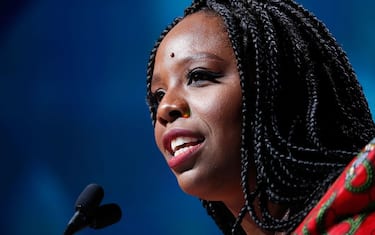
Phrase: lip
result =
(181, 161)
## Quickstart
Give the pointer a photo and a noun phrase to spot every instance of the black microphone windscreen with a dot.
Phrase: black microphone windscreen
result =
(106, 215)
(90, 197)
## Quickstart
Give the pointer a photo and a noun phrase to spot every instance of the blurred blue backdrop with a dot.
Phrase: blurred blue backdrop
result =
(73, 111)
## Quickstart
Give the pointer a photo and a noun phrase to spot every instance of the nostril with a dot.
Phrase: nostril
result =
(174, 114)
(171, 109)
(169, 116)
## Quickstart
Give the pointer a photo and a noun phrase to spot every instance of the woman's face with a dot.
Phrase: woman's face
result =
(198, 120)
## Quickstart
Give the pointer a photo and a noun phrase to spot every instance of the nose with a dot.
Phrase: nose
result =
(172, 107)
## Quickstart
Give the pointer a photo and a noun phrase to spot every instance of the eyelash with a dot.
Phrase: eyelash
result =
(158, 96)
(195, 77)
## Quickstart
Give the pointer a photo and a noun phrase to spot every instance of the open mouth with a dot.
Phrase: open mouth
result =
(182, 144)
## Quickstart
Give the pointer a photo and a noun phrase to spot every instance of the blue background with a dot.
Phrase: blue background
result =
(73, 111)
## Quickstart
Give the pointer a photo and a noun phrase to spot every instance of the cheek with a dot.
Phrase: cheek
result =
(158, 136)
(223, 109)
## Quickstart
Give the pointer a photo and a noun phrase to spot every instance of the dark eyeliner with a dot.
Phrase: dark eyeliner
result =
(158, 96)
(200, 74)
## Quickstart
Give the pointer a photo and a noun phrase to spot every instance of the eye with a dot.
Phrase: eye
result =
(158, 96)
(200, 76)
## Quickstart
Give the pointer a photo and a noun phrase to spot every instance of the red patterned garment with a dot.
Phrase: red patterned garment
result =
(348, 207)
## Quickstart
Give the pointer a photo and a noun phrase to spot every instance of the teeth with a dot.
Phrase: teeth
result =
(181, 150)
(179, 141)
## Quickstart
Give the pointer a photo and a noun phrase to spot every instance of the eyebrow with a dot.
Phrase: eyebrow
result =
(155, 79)
(197, 56)
(202, 55)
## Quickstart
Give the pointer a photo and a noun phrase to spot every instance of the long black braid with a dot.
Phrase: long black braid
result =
(304, 114)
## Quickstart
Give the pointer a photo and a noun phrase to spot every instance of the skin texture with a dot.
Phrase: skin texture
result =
(213, 104)
(196, 80)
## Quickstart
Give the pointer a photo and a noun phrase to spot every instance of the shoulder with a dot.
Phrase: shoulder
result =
(348, 207)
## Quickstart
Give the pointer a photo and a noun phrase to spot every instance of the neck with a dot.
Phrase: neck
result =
(248, 224)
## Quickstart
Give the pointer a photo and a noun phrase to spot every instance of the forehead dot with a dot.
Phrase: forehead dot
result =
(172, 55)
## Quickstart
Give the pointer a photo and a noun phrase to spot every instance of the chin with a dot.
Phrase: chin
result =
(199, 187)
(191, 184)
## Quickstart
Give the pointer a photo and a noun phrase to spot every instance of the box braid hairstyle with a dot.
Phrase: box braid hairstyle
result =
(304, 114)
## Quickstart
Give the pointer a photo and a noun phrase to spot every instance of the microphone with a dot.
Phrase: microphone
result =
(106, 215)
(89, 213)
(85, 207)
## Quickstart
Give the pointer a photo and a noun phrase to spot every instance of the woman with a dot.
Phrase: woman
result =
(257, 111)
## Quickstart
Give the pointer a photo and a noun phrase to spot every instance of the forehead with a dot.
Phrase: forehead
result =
(199, 31)
(203, 21)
